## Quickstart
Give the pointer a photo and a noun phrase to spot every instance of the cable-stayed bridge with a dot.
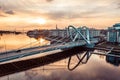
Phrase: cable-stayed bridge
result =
(73, 39)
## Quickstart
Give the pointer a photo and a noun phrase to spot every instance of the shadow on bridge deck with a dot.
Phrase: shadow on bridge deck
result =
(10, 68)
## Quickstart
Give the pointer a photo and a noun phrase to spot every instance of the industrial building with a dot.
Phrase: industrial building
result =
(113, 34)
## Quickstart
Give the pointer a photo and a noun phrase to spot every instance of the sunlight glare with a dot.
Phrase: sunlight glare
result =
(42, 40)
(40, 21)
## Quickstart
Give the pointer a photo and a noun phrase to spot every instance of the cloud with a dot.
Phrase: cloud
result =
(70, 15)
(115, 4)
(49, 0)
(3, 13)
(119, 5)
(9, 12)
(63, 10)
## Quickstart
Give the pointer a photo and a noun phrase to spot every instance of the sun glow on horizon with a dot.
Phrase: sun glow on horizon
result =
(39, 21)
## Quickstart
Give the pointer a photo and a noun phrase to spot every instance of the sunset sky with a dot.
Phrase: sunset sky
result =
(45, 14)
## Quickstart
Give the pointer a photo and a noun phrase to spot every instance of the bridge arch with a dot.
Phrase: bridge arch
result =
(78, 33)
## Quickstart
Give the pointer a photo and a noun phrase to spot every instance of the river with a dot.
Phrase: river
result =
(97, 68)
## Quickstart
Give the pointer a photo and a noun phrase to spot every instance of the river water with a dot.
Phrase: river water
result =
(97, 68)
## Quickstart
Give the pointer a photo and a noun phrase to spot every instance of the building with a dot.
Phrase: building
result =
(113, 34)
(62, 33)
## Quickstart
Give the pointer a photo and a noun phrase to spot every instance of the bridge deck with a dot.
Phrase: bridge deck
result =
(6, 56)
(10, 68)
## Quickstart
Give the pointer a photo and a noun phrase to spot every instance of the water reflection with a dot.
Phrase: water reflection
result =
(95, 69)
(82, 59)
(11, 41)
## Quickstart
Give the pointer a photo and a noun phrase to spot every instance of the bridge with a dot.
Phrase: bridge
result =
(75, 41)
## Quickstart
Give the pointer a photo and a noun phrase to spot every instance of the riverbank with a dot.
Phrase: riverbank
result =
(9, 32)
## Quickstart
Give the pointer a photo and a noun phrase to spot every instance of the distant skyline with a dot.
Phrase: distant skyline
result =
(45, 14)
